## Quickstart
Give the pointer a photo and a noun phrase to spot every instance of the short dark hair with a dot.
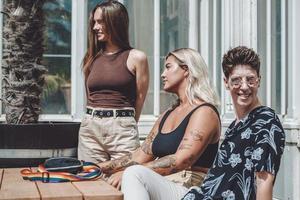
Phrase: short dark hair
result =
(240, 55)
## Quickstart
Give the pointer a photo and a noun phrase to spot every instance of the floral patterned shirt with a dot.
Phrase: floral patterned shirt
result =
(254, 144)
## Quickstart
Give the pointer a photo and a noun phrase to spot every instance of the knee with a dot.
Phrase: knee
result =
(133, 186)
(136, 173)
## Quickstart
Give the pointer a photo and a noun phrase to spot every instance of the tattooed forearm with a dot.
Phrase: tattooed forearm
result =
(197, 135)
(191, 160)
(164, 162)
(119, 164)
(165, 165)
(170, 164)
(147, 145)
(184, 146)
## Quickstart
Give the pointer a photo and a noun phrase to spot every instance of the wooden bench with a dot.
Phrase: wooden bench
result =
(12, 186)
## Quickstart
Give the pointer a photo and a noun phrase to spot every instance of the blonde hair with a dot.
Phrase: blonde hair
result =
(199, 86)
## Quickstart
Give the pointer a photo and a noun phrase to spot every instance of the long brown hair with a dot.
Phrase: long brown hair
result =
(116, 21)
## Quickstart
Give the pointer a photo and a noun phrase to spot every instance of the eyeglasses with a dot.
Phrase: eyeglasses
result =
(238, 81)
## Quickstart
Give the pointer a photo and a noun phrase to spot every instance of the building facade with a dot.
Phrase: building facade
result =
(271, 27)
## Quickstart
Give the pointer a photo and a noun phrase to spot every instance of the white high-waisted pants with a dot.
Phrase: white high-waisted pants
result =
(141, 183)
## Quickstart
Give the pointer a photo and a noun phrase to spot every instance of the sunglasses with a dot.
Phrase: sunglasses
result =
(237, 82)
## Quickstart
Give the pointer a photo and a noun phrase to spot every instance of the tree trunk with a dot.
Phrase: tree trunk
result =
(22, 72)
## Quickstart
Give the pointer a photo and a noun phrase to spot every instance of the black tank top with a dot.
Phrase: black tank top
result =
(167, 144)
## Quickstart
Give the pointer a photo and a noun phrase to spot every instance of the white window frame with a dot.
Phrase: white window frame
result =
(268, 90)
(283, 58)
(269, 58)
(292, 120)
(156, 54)
(146, 121)
(78, 48)
(232, 34)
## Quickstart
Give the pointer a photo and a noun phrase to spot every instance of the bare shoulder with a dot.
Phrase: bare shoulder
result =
(205, 120)
(163, 114)
(158, 120)
(137, 55)
(205, 113)
(137, 62)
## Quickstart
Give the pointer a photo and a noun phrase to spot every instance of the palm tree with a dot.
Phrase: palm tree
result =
(22, 71)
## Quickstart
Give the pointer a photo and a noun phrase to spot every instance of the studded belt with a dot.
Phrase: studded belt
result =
(110, 113)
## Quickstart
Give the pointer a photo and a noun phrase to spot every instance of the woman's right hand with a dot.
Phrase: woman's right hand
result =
(116, 179)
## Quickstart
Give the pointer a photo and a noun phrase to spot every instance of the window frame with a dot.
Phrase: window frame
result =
(222, 17)
(78, 48)
(268, 51)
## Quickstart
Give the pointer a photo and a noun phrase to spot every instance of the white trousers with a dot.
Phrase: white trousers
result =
(141, 183)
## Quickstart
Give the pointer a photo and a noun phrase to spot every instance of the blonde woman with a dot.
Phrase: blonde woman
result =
(184, 140)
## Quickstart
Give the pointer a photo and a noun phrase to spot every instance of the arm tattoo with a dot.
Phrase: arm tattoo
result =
(147, 145)
(120, 164)
(191, 160)
(165, 165)
(197, 135)
(164, 162)
(184, 146)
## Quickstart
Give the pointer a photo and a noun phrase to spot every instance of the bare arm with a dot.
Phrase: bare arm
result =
(110, 167)
(196, 138)
(137, 62)
(264, 183)
(140, 156)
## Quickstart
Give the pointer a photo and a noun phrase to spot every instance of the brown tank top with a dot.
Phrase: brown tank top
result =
(110, 84)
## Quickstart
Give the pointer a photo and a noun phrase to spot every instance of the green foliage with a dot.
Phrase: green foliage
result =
(53, 84)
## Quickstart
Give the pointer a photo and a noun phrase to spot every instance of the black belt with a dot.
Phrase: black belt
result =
(110, 113)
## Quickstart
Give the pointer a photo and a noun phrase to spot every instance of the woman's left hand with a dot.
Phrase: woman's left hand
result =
(116, 179)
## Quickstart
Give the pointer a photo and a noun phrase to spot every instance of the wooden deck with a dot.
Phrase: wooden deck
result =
(12, 186)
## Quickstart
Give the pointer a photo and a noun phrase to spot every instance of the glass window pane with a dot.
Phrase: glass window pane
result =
(92, 4)
(58, 26)
(275, 53)
(174, 27)
(218, 59)
(57, 93)
(57, 57)
(57, 44)
(141, 33)
(211, 35)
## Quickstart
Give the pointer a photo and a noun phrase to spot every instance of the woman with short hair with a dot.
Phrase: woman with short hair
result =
(249, 157)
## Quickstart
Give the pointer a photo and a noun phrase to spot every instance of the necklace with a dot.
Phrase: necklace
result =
(112, 53)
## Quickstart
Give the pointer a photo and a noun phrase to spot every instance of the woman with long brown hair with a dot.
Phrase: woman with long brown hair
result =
(116, 82)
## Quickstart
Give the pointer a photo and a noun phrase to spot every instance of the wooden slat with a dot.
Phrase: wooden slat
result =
(14, 187)
(62, 191)
(98, 190)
